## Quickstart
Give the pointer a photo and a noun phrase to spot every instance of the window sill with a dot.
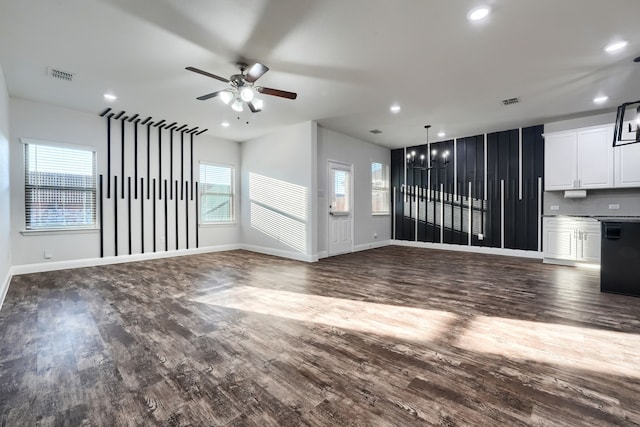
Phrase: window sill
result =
(56, 231)
(380, 213)
(218, 224)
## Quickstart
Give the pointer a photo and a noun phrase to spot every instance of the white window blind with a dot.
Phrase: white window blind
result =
(380, 188)
(60, 187)
(216, 194)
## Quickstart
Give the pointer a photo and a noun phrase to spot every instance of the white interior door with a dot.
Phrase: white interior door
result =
(340, 209)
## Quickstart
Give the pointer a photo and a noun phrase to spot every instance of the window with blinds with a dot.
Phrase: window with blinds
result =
(217, 194)
(380, 188)
(60, 187)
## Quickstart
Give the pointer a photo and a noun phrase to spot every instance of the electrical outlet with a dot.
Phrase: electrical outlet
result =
(47, 255)
(614, 206)
(555, 207)
(480, 236)
(375, 235)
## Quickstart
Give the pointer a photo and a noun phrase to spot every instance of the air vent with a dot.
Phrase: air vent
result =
(510, 101)
(375, 131)
(55, 73)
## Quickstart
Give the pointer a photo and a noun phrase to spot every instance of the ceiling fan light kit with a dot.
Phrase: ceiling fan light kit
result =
(242, 89)
(226, 96)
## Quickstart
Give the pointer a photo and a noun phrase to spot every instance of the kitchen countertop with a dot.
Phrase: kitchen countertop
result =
(619, 218)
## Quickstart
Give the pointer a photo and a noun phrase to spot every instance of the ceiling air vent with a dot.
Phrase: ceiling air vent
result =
(55, 73)
(375, 131)
(510, 101)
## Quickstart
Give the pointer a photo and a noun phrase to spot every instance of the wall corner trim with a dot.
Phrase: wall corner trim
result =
(4, 286)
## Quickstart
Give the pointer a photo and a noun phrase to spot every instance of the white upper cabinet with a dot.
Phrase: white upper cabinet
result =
(595, 157)
(560, 161)
(627, 165)
(579, 159)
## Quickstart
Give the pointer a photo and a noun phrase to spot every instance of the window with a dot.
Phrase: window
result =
(341, 190)
(216, 194)
(379, 188)
(60, 186)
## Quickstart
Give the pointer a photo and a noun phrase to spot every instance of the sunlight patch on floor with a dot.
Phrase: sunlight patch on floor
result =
(611, 352)
(394, 321)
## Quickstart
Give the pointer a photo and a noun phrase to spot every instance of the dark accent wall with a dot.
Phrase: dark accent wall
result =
(444, 216)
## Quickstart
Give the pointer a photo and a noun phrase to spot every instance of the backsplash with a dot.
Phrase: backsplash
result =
(597, 202)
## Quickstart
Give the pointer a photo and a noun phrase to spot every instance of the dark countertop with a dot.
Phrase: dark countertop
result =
(618, 218)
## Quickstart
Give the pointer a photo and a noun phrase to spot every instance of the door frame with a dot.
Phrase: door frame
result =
(349, 167)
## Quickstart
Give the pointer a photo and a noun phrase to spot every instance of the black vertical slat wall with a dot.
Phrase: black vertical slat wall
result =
(131, 156)
(520, 220)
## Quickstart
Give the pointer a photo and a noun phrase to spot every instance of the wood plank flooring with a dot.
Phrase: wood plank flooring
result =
(388, 337)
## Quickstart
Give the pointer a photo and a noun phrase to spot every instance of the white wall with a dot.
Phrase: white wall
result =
(345, 149)
(5, 202)
(580, 122)
(278, 192)
(47, 122)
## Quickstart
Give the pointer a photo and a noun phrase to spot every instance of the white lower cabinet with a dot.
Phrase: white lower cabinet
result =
(571, 239)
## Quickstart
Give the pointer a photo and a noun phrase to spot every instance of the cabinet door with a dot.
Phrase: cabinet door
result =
(559, 242)
(595, 158)
(627, 165)
(589, 245)
(560, 171)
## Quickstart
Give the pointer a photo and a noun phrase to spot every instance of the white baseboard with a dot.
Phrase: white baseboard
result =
(4, 286)
(358, 248)
(279, 252)
(571, 263)
(467, 248)
(92, 262)
(371, 245)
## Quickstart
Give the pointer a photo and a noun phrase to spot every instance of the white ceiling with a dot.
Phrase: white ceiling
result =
(348, 60)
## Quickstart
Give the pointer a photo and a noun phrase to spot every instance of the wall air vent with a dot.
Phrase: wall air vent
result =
(55, 73)
(510, 101)
(375, 131)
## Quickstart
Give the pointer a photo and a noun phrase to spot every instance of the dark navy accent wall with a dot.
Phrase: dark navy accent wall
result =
(458, 211)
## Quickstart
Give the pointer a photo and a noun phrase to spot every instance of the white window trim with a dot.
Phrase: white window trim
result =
(59, 230)
(388, 189)
(234, 186)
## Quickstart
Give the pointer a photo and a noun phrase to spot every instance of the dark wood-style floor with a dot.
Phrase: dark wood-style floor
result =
(392, 336)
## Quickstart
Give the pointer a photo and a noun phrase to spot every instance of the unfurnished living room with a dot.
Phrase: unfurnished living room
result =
(319, 213)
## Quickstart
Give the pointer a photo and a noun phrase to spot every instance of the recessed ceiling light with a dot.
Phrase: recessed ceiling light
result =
(224, 124)
(600, 99)
(478, 13)
(441, 134)
(395, 109)
(616, 46)
(110, 97)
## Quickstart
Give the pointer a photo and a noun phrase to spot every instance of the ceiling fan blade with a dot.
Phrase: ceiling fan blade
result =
(276, 92)
(210, 95)
(204, 73)
(255, 72)
(253, 108)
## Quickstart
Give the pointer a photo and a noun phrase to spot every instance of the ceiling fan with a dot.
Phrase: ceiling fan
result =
(242, 89)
